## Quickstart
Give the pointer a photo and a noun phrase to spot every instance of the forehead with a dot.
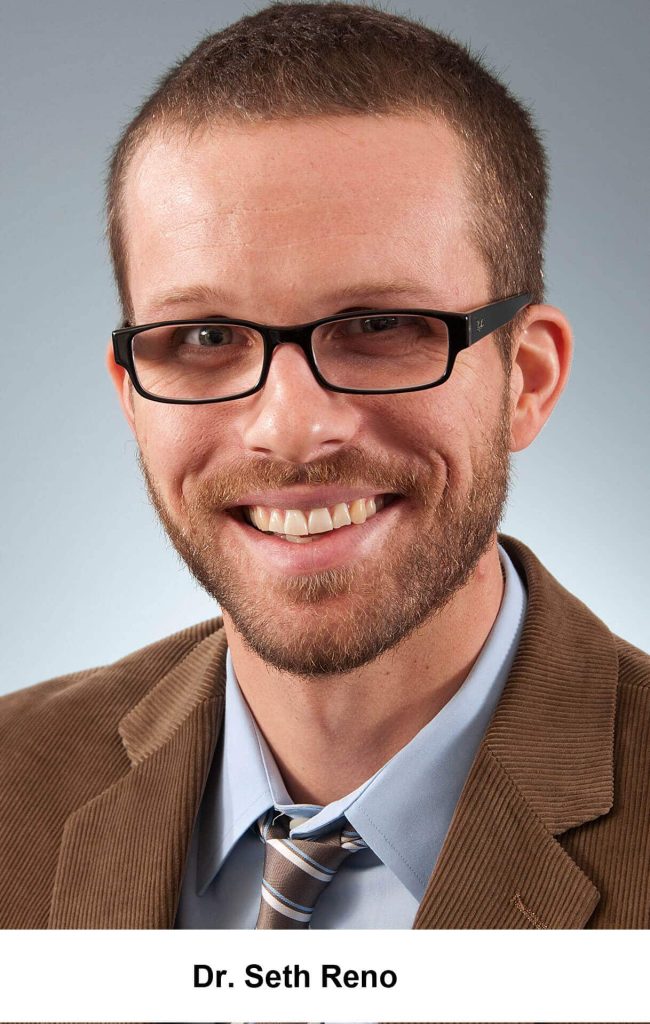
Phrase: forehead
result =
(276, 203)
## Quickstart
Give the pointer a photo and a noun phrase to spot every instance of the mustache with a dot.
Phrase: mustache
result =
(350, 467)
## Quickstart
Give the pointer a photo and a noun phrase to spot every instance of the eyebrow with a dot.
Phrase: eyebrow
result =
(194, 293)
(359, 292)
(399, 287)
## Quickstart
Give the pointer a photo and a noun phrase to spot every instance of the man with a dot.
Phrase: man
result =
(326, 226)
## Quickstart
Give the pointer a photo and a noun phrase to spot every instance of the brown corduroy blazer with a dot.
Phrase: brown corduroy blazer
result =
(102, 772)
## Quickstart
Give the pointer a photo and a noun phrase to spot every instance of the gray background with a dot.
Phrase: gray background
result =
(87, 575)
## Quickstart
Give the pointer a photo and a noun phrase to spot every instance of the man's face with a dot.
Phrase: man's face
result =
(281, 224)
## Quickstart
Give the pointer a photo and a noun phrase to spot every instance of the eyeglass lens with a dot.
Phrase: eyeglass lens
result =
(210, 360)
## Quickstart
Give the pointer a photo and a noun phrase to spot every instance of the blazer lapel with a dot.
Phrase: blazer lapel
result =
(122, 853)
(545, 766)
(500, 867)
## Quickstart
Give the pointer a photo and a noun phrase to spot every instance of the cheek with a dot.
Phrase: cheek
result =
(428, 427)
(473, 397)
(176, 443)
(446, 429)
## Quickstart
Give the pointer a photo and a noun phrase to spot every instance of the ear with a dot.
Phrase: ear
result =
(123, 386)
(540, 368)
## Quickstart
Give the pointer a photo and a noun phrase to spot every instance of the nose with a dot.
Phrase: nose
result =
(293, 417)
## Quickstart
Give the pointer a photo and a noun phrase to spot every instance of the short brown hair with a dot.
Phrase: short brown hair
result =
(293, 60)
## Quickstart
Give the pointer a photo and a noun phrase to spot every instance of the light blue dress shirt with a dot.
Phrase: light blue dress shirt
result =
(403, 812)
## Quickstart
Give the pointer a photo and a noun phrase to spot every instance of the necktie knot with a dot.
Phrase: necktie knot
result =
(297, 871)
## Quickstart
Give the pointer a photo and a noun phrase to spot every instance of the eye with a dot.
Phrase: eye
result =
(205, 335)
(375, 324)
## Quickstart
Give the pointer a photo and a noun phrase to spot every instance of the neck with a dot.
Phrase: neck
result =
(340, 731)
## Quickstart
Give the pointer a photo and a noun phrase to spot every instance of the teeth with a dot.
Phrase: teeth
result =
(298, 526)
(295, 523)
(276, 521)
(341, 515)
(320, 521)
(262, 516)
(358, 511)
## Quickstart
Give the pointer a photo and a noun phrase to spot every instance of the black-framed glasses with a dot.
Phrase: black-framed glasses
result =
(369, 352)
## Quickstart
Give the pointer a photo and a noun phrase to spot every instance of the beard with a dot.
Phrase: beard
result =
(337, 620)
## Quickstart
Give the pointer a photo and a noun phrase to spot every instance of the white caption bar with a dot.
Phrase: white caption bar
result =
(333, 976)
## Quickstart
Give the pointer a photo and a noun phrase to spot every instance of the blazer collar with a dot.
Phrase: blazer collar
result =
(553, 731)
(545, 765)
(123, 852)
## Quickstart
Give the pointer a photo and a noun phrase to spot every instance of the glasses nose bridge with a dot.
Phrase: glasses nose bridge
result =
(301, 336)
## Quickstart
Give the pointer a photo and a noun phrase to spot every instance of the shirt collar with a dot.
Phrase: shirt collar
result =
(403, 811)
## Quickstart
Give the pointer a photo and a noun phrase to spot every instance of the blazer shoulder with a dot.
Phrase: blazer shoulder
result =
(632, 731)
(115, 687)
(634, 664)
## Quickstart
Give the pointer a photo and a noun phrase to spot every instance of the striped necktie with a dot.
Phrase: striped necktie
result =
(296, 871)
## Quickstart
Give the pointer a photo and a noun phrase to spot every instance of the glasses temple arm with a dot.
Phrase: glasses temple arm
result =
(486, 319)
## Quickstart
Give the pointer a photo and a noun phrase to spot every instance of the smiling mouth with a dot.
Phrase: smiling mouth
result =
(303, 526)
